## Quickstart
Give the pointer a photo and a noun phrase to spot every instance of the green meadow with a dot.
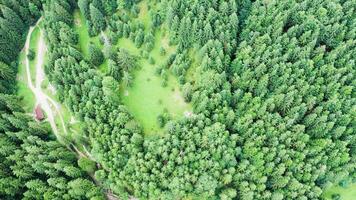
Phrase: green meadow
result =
(146, 98)
(346, 193)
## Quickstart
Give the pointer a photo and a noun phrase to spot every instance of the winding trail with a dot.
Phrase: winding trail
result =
(49, 105)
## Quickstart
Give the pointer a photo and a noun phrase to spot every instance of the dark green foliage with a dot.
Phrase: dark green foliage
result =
(163, 118)
(140, 36)
(187, 92)
(335, 196)
(61, 12)
(126, 61)
(68, 35)
(14, 20)
(110, 7)
(272, 96)
(96, 57)
(162, 51)
(114, 70)
(126, 79)
(6, 72)
(97, 18)
(87, 165)
(31, 54)
(33, 165)
(84, 8)
(156, 19)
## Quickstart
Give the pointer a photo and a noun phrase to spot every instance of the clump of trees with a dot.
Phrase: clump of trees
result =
(95, 13)
(120, 66)
(163, 118)
(15, 17)
(96, 56)
(33, 164)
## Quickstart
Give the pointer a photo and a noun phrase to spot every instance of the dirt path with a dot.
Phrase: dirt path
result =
(49, 106)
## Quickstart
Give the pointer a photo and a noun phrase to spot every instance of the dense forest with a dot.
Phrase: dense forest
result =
(33, 164)
(271, 84)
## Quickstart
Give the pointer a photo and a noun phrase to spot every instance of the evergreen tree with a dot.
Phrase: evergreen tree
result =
(96, 57)
(97, 19)
(84, 8)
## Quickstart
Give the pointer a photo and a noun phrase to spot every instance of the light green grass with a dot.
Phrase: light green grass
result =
(81, 28)
(103, 68)
(147, 99)
(144, 16)
(23, 90)
(28, 99)
(191, 72)
(34, 39)
(348, 193)
(129, 46)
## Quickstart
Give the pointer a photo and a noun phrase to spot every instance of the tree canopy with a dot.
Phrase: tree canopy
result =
(271, 84)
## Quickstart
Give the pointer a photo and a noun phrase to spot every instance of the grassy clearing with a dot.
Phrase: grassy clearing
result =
(348, 193)
(34, 39)
(23, 91)
(81, 28)
(28, 99)
(191, 72)
(146, 98)
(143, 16)
(128, 45)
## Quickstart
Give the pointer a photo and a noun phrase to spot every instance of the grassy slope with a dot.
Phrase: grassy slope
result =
(35, 36)
(23, 91)
(82, 29)
(348, 193)
(28, 102)
(84, 39)
(146, 99)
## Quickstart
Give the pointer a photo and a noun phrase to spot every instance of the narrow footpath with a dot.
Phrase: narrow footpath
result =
(49, 105)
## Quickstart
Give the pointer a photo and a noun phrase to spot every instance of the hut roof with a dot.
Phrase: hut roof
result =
(39, 113)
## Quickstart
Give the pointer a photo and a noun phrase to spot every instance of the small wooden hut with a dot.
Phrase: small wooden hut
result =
(39, 113)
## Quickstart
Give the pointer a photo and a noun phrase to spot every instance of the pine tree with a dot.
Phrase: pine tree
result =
(127, 79)
(97, 19)
(96, 57)
(6, 72)
(114, 70)
(84, 8)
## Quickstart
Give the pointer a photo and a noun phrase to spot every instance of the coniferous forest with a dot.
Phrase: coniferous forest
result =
(178, 99)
